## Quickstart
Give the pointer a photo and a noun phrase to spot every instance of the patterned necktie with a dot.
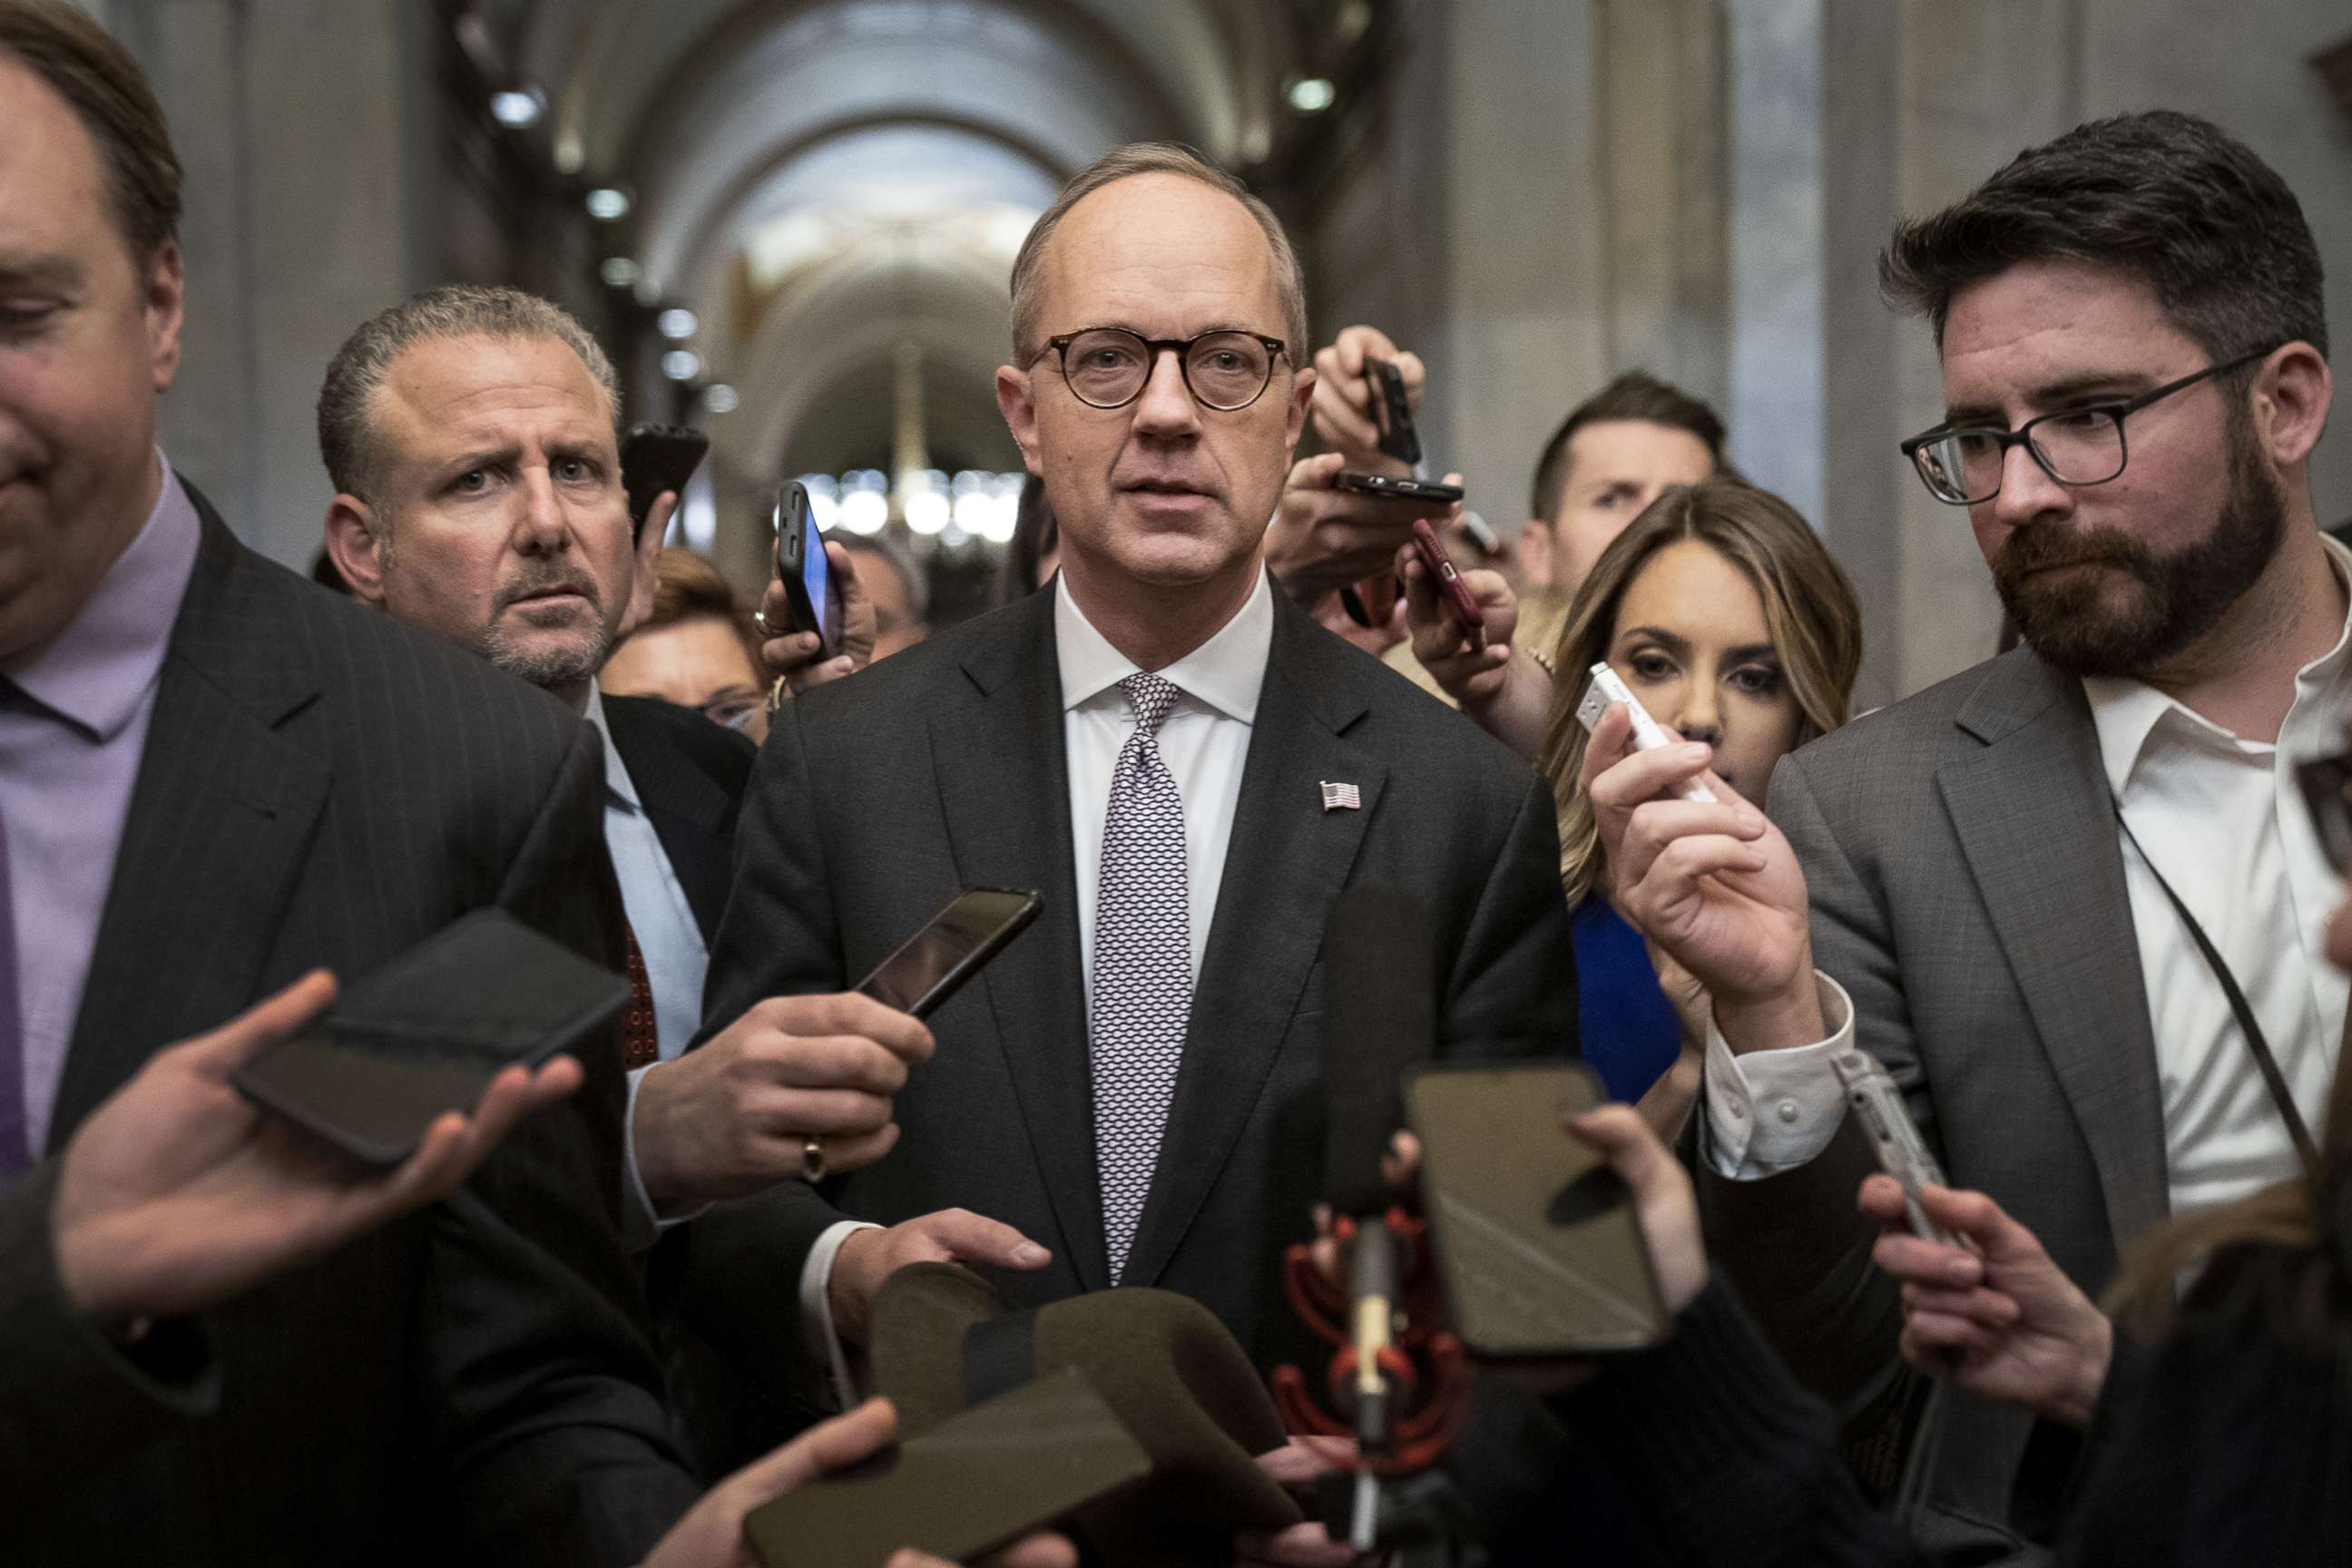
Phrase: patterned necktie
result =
(640, 1038)
(13, 1154)
(1143, 967)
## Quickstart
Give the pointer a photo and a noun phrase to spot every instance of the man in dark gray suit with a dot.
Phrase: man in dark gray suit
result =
(214, 778)
(1188, 769)
(1994, 865)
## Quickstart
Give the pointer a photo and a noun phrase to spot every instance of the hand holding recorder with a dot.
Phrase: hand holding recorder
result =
(1988, 1309)
(179, 1193)
(1713, 883)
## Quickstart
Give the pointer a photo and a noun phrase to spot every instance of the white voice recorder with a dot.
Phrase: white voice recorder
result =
(1603, 689)
(1903, 1155)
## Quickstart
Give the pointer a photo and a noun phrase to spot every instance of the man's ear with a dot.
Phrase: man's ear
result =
(1534, 548)
(1015, 401)
(355, 544)
(2292, 394)
(166, 310)
(1294, 418)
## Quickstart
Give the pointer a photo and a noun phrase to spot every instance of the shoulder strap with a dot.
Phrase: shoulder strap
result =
(2273, 1079)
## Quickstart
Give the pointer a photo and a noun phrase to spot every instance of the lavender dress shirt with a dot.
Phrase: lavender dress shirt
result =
(69, 751)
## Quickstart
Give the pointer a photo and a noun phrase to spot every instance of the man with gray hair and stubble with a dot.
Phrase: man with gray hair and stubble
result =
(470, 435)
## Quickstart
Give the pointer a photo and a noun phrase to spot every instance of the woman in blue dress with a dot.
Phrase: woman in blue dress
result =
(1725, 616)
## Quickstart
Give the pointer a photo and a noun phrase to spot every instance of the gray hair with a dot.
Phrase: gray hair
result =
(892, 554)
(1154, 158)
(357, 372)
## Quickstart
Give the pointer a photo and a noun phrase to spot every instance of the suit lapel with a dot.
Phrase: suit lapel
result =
(1287, 860)
(1003, 767)
(220, 818)
(2038, 833)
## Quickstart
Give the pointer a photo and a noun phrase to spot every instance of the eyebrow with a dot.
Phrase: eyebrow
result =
(37, 270)
(2119, 384)
(1680, 644)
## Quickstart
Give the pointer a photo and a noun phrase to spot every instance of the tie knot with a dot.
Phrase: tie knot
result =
(1152, 697)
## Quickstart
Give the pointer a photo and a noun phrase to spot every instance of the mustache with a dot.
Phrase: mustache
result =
(2038, 549)
(556, 581)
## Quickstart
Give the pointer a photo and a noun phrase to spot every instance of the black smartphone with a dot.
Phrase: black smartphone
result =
(1392, 411)
(929, 966)
(976, 1482)
(1398, 490)
(427, 1032)
(658, 457)
(1535, 1238)
(804, 570)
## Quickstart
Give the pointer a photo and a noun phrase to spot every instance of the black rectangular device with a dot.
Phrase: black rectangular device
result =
(427, 1032)
(978, 1481)
(804, 570)
(658, 458)
(929, 966)
(1536, 1238)
(1393, 411)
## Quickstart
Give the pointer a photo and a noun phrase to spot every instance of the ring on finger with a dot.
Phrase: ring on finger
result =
(759, 619)
(812, 1159)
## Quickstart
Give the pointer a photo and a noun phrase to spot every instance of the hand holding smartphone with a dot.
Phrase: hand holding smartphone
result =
(1461, 607)
(804, 572)
(929, 966)
(657, 459)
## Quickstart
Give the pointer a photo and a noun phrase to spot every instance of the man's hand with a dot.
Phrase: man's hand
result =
(1325, 537)
(2003, 1321)
(711, 1534)
(733, 1116)
(792, 656)
(1715, 886)
(178, 1192)
(1342, 409)
(1307, 1544)
(867, 1257)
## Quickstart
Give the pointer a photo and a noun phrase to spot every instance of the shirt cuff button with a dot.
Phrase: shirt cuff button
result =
(1788, 1111)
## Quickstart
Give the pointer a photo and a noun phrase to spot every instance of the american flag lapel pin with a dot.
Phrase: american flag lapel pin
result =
(1342, 798)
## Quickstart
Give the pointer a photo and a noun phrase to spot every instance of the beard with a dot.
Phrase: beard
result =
(2078, 623)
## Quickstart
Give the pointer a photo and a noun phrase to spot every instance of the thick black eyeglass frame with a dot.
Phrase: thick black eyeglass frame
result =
(2024, 433)
(1153, 347)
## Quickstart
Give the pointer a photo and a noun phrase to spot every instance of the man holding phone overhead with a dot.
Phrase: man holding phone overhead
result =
(1186, 767)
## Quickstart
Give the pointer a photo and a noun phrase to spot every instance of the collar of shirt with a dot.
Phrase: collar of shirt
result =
(617, 783)
(95, 672)
(2127, 713)
(1226, 672)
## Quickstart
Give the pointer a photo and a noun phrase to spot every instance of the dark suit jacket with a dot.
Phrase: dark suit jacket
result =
(690, 774)
(877, 798)
(323, 786)
(1967, 890)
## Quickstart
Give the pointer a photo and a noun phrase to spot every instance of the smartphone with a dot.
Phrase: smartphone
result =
(1535, 1238)
(931, 965)
(806, 573)
(1392, 411)
(658, 458)
(1872, 1093)
(1392, 489)
(1606, 689)
(427, 1032)
(975, 1483)
(1451, 591)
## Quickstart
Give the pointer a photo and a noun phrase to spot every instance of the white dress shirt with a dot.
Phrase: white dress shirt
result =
(1204, 741)
(668, 935)
(2187, 786)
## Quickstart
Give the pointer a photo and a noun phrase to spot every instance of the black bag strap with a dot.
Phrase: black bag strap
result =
(2273, 1080)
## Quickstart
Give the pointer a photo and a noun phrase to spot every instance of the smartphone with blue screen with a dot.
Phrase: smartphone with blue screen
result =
(806, 573)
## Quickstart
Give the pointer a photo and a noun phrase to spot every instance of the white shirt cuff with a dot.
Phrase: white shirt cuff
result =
(1770, 1112)
(640, 1225)
(816, 1311)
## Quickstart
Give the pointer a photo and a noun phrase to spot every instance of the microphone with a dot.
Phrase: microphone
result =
(1380, 1016)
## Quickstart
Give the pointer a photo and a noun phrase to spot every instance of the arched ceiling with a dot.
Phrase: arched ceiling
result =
(824, 180)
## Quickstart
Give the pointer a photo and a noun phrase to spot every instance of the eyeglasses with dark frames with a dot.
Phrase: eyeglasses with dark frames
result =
(2076, 447)
(1108, 367)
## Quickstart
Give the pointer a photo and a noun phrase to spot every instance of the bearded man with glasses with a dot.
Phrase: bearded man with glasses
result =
(1189, 771)
(2058, 895)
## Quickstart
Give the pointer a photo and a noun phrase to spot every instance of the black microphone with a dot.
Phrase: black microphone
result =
(1380, 1016)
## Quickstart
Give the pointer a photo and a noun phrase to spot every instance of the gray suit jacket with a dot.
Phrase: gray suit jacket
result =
(324, 786)
(1967, 890)
(877, 798)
